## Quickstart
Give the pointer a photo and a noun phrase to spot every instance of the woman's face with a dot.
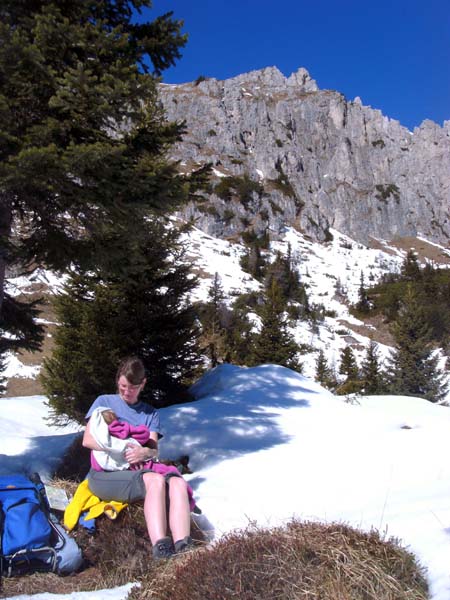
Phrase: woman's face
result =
(128, 391)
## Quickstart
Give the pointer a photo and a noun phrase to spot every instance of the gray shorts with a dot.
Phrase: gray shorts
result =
(122, 486)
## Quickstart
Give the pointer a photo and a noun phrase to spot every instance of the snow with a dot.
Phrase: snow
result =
(267, 444)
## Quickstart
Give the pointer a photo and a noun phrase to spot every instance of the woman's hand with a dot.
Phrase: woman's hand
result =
(138, 455)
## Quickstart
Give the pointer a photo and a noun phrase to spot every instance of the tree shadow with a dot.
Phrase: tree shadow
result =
(42, 455)
(236, 412)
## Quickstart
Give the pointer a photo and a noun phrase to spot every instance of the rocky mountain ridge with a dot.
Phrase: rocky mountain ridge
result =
(285, 152)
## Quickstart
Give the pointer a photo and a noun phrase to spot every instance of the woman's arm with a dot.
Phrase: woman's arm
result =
(89, 440)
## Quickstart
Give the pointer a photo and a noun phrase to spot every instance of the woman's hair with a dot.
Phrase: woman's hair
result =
(133, 369)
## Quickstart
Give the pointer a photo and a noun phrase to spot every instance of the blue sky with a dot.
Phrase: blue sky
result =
(393, 54)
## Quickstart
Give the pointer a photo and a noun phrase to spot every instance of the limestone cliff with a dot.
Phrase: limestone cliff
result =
(284, 151)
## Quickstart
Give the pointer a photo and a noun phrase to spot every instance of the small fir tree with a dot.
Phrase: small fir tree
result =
(212, 317)
(349, 368)
(373, 378)
(410, 269)
(363, 304)
(414, 369)
(238, 338)
(274, 343)
(324, 373)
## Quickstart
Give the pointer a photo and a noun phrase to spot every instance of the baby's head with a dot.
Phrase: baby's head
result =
(109, 416)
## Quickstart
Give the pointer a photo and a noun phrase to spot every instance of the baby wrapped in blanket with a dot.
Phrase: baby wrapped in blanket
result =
(113, 437)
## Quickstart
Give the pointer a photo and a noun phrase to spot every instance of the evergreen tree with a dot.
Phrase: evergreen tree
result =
(414, 369)
(82, 136)
(238, 337)
(363, 304)
(283, 271)
(410, 270)
(373, 378)
(105, 315)
(349, 368)
(274, 343)
(324, 373)
(212, 316)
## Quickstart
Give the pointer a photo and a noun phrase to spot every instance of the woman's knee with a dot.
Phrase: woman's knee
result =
(177, 485)
(153, 481)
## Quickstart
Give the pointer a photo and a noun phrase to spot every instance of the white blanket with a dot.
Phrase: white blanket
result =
(111, 457)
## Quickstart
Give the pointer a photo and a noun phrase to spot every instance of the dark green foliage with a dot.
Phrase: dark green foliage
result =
(253, 261)
(363, 304)
(324, 373)
(199, 79)
(242, 188)
(226, 333)
(82, 137)
(373, 378)
(430, 284)
(212, 316)
(137, 307)
(283, 271)
(413, 369)
(349, 368)
(238, 337)
(282, 182)
(18, 318)
(274, 344)
(410, 270)
(386, 190)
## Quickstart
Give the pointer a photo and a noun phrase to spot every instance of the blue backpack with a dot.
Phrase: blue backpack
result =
(31, 536)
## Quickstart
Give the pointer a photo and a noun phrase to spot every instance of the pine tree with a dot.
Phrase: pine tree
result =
(349, 368)
(212, 315)
(410, 270)
(414, 369)
(274, 343)
(373, 378)
(324, 373)
(238, 337)
(82, 136)
(363, 304)
(105, 315)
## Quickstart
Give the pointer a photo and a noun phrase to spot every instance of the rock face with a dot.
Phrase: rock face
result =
(285, 152)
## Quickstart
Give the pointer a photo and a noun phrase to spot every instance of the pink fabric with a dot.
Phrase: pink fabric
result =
(124, 430)
(94, 463)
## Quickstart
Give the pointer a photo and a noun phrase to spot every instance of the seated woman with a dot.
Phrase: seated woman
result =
(159, 492)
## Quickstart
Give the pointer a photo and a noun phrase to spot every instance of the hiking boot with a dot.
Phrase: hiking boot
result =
(163, 548)
(187, 543)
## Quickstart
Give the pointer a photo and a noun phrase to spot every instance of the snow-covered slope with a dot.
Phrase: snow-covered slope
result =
(267, 444)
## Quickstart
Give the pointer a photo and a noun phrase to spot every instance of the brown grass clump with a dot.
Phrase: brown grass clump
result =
(302, 561)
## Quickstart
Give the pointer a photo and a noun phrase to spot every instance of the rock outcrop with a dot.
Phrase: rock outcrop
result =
(285, 152)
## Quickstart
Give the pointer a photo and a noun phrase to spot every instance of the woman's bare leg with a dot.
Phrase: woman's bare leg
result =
(179, 510)
(155, 506)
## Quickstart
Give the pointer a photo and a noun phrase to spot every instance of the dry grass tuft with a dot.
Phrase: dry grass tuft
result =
(309, 561)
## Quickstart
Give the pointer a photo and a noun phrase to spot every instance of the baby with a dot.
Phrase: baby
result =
(114, 436)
